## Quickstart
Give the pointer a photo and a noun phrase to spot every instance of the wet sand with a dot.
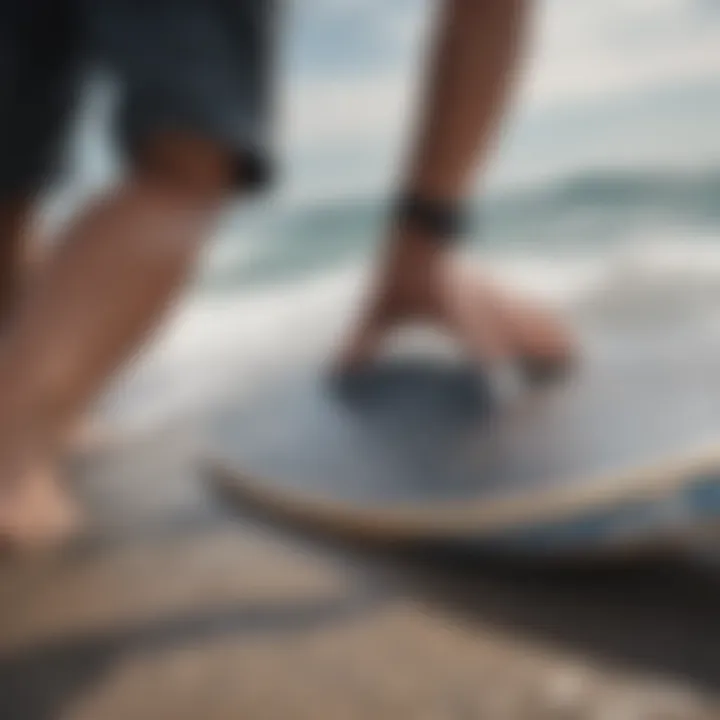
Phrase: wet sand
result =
(172, 608)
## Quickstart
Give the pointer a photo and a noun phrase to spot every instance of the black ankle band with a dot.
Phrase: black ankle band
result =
(442, 221)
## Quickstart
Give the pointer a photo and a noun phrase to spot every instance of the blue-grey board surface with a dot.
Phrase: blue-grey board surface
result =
(621, 454)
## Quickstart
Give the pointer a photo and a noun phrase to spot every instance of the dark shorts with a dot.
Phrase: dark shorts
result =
(198, 66)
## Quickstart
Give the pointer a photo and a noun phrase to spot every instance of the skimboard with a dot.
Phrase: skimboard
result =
(621, 455)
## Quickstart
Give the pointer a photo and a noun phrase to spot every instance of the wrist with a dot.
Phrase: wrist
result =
(429, 219)
(412, 269)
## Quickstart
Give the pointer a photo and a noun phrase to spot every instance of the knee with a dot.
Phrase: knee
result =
(197, 170)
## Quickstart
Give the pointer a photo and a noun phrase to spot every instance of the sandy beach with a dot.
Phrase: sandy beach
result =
(172, 608)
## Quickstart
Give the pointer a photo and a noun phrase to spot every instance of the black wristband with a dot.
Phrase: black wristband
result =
(440, 220)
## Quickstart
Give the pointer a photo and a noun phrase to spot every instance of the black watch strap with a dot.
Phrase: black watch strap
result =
(444, 221)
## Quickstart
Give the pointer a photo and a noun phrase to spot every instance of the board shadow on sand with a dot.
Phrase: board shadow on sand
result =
(652, 614)
(658, 617)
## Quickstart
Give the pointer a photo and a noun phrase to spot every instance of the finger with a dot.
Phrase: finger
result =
(363, 346)
(471, 313)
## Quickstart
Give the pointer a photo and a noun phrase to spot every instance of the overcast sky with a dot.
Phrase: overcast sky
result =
(605, 83)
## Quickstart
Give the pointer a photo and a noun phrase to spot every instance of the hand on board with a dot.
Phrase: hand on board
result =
(423, 282)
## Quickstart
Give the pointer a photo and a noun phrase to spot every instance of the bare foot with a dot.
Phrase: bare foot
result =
(36, 512)
(490, 325)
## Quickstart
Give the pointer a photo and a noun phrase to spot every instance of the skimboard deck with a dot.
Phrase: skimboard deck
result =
(620, 455)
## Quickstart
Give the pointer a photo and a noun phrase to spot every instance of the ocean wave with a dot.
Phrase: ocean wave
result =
(568, 215)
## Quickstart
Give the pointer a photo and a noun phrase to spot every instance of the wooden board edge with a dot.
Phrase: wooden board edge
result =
(480, 520)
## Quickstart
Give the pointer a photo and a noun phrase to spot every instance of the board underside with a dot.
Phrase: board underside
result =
(621, 454)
